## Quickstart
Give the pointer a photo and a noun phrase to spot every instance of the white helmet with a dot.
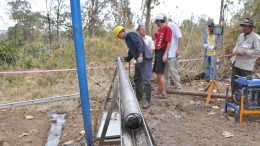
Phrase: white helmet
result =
(160, 17)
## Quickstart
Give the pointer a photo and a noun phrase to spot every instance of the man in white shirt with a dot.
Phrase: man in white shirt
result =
(138, 76)
(147, 39)
(172, 61)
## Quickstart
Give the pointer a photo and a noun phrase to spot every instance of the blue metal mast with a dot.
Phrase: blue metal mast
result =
(81, 67)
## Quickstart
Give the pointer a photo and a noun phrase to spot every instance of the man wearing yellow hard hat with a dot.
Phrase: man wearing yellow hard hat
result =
(138, 50)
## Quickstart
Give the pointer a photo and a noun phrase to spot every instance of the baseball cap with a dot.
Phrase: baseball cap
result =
(211, 24)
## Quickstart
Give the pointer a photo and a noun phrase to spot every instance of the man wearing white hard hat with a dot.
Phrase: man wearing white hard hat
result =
(163, 42)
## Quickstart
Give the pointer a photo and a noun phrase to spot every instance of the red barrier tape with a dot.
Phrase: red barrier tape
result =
(97, 67)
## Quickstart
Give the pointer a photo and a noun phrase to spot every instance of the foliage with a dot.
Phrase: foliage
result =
(232, 29)
(43, 40)
(8, 53)
(27, 22)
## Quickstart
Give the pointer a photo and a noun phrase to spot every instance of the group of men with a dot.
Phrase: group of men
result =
(244, 53)
(167, 49)
(141, 48)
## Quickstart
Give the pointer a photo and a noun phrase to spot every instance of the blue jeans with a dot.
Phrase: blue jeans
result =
(209, 63)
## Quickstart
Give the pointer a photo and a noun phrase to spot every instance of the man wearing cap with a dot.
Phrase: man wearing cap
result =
(210, 45)
(245, 52)
(140, 52)
(163, 42)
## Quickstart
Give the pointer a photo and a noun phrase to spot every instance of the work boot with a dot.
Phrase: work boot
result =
(139, 91)
(147, 101)
(147, 104)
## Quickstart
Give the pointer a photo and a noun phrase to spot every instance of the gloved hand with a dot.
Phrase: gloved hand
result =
(205, 46)
(122, 59)
(211, 47)
(139, 59)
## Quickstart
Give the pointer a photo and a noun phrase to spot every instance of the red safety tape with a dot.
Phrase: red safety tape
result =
(97, 67)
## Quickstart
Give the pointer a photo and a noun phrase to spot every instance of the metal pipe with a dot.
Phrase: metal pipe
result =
(81, 67)
(181, 92)
(131, 112)
(38, 101)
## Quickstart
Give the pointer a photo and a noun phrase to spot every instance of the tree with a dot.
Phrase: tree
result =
(146, 8)
(96, 13)
(250, 9)
(49, 24)
(59, 10)
(27, 20)
(126, 12)
(148, 15)
(148, 4)
(57, 19)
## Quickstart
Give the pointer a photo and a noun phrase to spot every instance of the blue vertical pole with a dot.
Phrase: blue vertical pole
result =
(81, 66)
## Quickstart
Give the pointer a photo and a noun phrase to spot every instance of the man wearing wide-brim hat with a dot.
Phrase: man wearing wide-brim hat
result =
(245, 52)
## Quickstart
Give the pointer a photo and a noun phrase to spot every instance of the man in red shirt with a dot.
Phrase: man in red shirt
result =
(163, 42)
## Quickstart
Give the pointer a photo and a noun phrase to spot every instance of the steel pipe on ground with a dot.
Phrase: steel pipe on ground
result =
(204, 94)
(131, 112)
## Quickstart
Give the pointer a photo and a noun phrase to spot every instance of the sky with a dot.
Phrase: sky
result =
(178, 10)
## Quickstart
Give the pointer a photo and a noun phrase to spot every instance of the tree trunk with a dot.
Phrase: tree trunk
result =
(58, 22)
(15, 34)
(49, 30)
(49, 26)
(93, 17)
(148, 15)
(127, 19)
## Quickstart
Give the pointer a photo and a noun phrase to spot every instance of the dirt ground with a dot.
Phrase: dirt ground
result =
(16, 130)
(186, 121)
(178, 120)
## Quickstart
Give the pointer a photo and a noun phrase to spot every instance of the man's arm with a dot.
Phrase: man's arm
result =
(179, 36)
(165, 56)
(205, 39)
(178, 52)
(234, 51)
(138, 43)
(168, 39)
(256, 50)
(129, 57)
